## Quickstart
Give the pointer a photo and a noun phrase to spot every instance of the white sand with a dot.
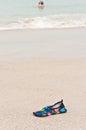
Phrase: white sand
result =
(28, 85)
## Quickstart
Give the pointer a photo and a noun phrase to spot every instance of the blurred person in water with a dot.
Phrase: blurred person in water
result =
(41, 4)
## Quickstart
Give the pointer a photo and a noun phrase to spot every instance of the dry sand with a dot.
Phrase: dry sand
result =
(26, 86)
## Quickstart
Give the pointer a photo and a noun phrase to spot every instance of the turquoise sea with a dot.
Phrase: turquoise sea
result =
(23, 14)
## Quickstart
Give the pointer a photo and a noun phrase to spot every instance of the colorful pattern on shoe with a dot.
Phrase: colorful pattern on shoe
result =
(57, 108)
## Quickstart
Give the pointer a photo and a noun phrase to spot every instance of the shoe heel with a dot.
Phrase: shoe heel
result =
(63, 110)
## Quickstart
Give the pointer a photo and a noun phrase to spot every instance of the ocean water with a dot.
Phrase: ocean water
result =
(24, 14)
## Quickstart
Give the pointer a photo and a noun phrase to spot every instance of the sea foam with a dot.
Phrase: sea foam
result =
(52, 21)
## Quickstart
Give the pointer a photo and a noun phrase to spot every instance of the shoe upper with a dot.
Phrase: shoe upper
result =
(57, 108)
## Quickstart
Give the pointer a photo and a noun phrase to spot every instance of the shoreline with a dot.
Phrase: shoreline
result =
(45, 29)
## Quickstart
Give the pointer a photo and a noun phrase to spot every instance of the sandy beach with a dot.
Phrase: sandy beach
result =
(39, 68)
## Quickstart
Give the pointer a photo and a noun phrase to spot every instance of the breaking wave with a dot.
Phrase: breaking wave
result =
(50, 22)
